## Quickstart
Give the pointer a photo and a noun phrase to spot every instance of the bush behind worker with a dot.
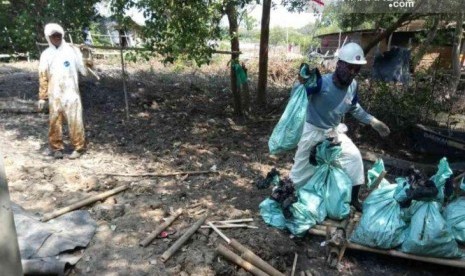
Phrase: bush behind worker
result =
(333, 97)
(58, 82)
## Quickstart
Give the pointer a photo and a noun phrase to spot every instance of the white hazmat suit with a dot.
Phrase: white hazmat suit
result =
(58, 78)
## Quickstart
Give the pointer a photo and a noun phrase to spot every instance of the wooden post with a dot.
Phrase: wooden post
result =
(83, 203)
(10, 259)
(124, 77)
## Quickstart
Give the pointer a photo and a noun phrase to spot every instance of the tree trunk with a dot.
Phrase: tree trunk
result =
(456, 65)
(421, 50)
(263, 58)
(402, 19)
(231, 12)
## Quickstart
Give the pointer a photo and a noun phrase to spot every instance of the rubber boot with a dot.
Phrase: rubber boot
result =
(355, 201)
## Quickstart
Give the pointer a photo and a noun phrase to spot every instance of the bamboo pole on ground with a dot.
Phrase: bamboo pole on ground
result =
(231, 226)
(82, 203)
(233, 220)
(160, 228)
(247, 254)
(294, 264)
(158, 174)
(449, 262)
(231, 256)
(170, 251)
(395, 253)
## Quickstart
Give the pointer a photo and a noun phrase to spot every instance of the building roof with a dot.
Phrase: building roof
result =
(412, 26)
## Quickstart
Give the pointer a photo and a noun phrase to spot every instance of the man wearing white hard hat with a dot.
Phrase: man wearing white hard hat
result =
(333, 97)
(58, 82)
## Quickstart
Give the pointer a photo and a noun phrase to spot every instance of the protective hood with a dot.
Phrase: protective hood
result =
(52, 28)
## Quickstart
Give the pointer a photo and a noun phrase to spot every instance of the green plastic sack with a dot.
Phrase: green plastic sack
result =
(287, 132)
(301, 220)
(454, 214)
(313, 203)
(381, 224)
(272, 214)
(329, 182)
(428, 234)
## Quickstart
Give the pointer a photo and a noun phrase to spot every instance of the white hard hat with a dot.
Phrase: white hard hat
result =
(352, 53)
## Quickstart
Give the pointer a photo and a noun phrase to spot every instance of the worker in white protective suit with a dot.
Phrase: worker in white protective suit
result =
(58, 79)
(334, 95)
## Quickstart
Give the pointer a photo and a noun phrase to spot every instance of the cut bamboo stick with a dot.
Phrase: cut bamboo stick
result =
(158, 174)
(83, 203)
(378, 180)
(222, 226)
(170, 251)
(231, 256)
(294, 264)
(160, 228)
(219, 232)
(233, 220)
(248, 255)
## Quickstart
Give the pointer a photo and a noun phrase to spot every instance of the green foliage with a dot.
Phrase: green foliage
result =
(401, 106)
(177, 28)
(23, 21)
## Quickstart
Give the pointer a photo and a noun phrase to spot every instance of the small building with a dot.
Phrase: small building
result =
(405, 37)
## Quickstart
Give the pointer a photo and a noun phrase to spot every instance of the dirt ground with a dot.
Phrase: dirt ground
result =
(179, 120)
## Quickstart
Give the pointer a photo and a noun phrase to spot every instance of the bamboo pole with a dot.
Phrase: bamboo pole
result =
(395, 253)
(219, 232)
(248, 255)
(124, 79)
(160, 228)
(294, 264)
(222, 226)
(228, 254)
(83, 202)
(170, 251)
(233, 221)
(158, 174)
(449, 262)
(378, 180)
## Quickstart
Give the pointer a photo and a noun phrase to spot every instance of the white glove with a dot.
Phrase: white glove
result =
(380, 127)
(41, 105)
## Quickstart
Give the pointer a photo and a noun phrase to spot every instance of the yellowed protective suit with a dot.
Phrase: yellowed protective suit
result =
(58, 78)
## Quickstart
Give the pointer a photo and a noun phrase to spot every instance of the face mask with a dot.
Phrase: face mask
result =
(345, 72)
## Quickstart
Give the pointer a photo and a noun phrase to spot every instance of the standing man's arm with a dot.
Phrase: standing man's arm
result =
(79, 61)
(360, 114)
